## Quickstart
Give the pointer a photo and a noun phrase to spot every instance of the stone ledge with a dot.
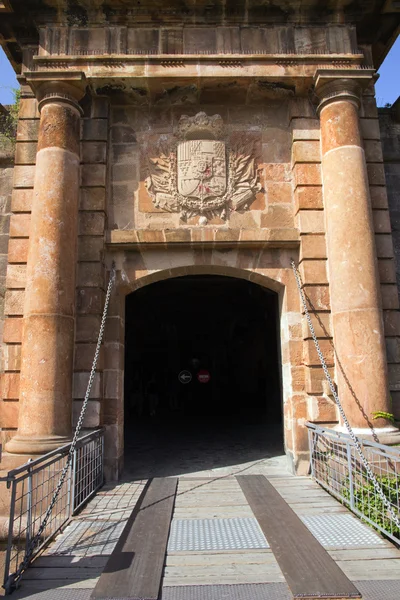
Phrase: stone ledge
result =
(194, 237)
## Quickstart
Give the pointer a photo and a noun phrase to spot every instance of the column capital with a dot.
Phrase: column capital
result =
(332, 85)
(61, 87)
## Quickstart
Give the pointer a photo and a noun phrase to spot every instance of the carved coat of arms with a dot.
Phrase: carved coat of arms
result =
(199, 175)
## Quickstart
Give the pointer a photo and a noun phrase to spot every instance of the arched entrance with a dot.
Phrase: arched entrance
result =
(202, 376)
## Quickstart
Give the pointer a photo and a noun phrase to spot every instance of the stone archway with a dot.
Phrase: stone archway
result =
(202, 385)
(132, 275)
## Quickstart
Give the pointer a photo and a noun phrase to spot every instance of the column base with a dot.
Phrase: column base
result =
(389, 436)
(21, 444)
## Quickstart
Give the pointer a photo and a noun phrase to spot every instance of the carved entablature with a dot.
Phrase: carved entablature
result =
(199, 173)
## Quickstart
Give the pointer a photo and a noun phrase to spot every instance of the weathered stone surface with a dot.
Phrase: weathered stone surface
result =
(94, 130)
(91, 223)
(20, 225)
(18, 250)
(381, 219)
(80, 385)
(387, 270)
(277, 193)
(390, 296)
(93, 152)
(339, 126)
(28, 130)
(12, 330)
(14, 302)
(305, 129)
(378, 196)
(9, 411)
(384, 246)
(93, 175)
(373, 151)
(306, 152)
(92, 415)
(59, 127)
(313, 271)
(87, 328)
(16, 276)
(24, 176)
(12, 357)
(370, 129)
(307, 174)
(311, 221)
(25, 153)
(90, 274)
(21, 200)
(376, 174)
(11, 386)
(308, 197)
(278, 215)
(92, 198)
(28, 108)
(90, 248)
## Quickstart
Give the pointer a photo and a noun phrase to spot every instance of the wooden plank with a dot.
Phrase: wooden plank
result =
(135, 567)
(309, 570)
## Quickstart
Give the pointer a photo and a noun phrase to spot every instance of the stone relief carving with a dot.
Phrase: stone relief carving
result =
(199, 174)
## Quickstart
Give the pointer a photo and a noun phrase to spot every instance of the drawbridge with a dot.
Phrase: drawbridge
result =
(250, 532)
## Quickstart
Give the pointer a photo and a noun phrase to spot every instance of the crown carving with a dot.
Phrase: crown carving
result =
(201, 126)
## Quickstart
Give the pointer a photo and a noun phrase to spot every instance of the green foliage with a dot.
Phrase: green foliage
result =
(379, 414)
(9, 122)
(367, 501)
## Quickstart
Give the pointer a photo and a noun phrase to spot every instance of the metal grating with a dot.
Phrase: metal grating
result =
(341, 530)
(87, 538)
(254, 591)
(56, 594)
(379, 590)
(215, 534)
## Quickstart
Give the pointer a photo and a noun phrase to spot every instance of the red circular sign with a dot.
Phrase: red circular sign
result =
(203, 376)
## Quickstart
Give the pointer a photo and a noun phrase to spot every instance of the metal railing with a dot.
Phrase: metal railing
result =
(336, 466)
(32, 488)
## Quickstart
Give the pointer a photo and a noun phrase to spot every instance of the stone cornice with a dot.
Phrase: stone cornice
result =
(196, 237)
(297, 71)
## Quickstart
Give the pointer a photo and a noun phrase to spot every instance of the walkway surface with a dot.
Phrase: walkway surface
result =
(226, 556)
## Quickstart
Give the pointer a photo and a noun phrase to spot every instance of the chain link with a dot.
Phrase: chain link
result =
(14, 579)
(332, 387)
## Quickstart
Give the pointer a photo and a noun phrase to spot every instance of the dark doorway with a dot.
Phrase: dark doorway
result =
(202, 383)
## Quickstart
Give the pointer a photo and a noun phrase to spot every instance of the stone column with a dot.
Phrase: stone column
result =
(357, 322)
(45, 420)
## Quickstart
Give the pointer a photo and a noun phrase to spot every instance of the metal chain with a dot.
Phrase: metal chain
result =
(14, 579)
(353, 436)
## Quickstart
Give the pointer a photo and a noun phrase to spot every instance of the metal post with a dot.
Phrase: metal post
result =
(29, 507)
(350, 468)
(10, 537)
(311, 446)
(101, 481)
(73, 476)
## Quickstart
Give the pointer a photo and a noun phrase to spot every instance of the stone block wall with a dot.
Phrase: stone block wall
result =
(389, 124)
(115, 206)
(138, 134)
(6, 183)
(90, 291)
(22, 189)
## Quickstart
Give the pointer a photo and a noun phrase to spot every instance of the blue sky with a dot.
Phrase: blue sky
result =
(387, 87)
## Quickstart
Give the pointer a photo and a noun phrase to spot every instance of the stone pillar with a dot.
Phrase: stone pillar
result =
(357, 322)
(45, 420)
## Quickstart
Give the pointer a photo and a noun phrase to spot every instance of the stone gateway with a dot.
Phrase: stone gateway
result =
(202, 147)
